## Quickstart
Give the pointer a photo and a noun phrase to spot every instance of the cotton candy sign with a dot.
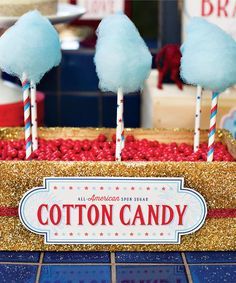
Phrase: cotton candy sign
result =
(112, 210)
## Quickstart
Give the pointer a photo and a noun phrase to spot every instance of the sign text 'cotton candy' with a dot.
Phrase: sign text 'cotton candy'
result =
(122, 58)
(208, 56)
(112, 210)
(30, 47)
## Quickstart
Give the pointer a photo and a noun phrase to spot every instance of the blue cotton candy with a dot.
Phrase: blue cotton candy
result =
(208, 56)
(31, 46)
(122, 58)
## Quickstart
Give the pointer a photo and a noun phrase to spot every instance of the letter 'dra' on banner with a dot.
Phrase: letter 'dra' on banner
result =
(112, 210)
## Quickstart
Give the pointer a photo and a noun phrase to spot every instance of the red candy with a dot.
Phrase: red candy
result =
(101, 149)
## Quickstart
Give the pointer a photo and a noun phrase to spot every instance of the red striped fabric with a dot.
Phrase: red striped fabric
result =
(213, 213)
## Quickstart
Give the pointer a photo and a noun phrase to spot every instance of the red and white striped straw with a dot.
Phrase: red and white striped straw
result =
(212, 130)
(27, 120)
(34, 116)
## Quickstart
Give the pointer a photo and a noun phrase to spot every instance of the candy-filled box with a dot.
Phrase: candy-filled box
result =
(168, 153)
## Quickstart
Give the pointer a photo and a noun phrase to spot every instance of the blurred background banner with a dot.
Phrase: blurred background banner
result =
(220, 12)
(96, 10)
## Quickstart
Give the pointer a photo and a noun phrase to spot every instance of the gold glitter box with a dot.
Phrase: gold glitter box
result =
(216, 182)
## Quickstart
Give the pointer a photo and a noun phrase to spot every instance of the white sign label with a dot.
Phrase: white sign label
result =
(219, 12)
(98, 9)
(112, 210)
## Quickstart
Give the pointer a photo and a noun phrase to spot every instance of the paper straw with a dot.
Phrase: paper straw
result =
(119, 123)
(122, 123)
(34, 116)
(197, 118)
(212, 130)
(27, 122)
(122, 136)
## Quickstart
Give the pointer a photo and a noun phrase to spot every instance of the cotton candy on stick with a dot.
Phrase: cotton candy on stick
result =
(123, 62)
(192, 40)
(28, 50)
(208, 61)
